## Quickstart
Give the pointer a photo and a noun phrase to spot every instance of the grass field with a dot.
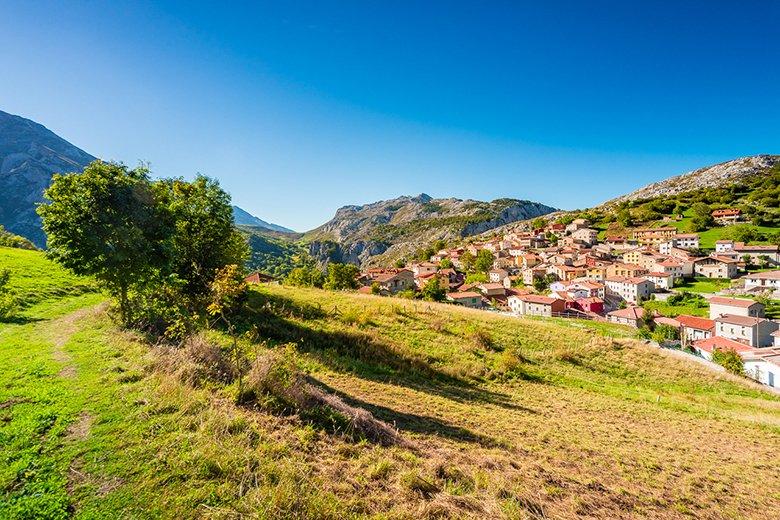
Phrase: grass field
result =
(708, 238)
(702, 285)
(504, 418)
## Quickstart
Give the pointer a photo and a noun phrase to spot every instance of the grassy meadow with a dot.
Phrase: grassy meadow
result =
(501, 417)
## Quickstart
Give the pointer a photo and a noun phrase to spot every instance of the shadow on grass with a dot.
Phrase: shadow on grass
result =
(415, 423)
(360, 353)
(20, 320)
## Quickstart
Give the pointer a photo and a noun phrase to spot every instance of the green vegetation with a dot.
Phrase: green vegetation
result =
(729, 360)
(493, 416)
(8, 239)
(683, 302)
(272, 253)
(703, 285)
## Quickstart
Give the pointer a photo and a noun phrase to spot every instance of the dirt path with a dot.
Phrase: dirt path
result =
(61, 330)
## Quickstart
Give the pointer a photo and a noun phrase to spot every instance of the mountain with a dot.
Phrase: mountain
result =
(387, 230)
(29, 155)
(716, 176)
(244, 218)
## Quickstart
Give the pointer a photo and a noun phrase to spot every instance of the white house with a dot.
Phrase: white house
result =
(724, 246)
(682, 241)
(466, 298)
(694, 328)
(720, 305)
(535, 305)
(769, 280)
(705, 347)
(498, 275)
(632, 290)
(764, 367)
(756, 332)
(716, 267)
(632, 316)
(661, 280)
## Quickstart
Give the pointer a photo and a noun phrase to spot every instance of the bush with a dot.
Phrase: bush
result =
(729, 360)
(8, 303)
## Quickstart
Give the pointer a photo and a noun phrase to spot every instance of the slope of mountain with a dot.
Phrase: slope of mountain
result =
(244, 218)
(715, 176)
(29, 155)
(390, 229)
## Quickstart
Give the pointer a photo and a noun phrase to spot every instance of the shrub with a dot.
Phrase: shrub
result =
(7, 298)
(729, 360)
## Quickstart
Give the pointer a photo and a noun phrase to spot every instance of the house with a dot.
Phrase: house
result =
(535, 305)
(653, 236)
(720, 305)
(724, 246)
(566, 272)
(587, 235)
(661, 280)
(715, 267)
(498, 275)
(758, 253)
(632, 316)
(533, 273)
(669, 266)
(594, 289)
(763, 366)
(694, 328)
(424, 268)
(756, 332)
(593, 305)
(632, 290)
(680, 241)
(258, 277)
(769, 280)
(466, 298)
(394, 281)
(492, 290)
(705, 347)
(625, 270)
(727, 215)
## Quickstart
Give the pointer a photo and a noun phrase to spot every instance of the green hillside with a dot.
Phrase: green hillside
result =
(498, 417)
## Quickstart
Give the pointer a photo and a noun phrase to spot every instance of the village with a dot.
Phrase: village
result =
(565, 271)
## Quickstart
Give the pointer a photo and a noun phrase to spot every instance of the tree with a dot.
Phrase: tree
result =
(702, 217)
(400, 263)
(665, 333)
(484, 261)
(227, 294)
(7, 298)
(305, 277)
(433, 291)
(747, 259)
(106, 223)
(730, 360)
(376, 288)
(445, 263)
(624, 218)
(538, 223)
(467, 261)
(341, 276)
(204, 238)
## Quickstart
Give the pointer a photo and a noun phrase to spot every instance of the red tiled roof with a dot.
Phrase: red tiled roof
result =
(742, 321)
(695, 322)
(538, 298)
(710, 344)
(769, 275)
(462, 295)
(632, 313)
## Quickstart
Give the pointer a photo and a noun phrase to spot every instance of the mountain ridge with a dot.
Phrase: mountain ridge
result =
(244, 218)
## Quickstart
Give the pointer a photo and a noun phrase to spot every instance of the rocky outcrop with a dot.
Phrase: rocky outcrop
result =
(380, 232)
(29, 155)
(722, 174)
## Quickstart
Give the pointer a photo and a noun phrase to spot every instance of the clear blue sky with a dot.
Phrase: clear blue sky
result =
(301, 107)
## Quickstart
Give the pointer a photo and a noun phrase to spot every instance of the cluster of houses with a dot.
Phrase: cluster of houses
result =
(736, 324)
(586, 277)
(608, 280)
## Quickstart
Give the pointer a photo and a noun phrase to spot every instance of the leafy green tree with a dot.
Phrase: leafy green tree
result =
(7, 298)
(433, 290)
(305, 276)
(484, 261)
(375, 288)
(445, 263)
(400, 263)
(438, 245)
(624, 218)
(467, 261)
(702, 217)
(729, 360)
(476, 278)
(205, 239)
(665, 333)
(538, 223)
(106, 223)
(341, 276)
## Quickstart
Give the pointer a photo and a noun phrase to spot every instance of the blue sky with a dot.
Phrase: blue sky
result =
(301, 107)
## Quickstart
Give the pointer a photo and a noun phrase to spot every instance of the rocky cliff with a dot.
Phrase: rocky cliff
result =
(29, 155)
(380, 232)
(722, 174)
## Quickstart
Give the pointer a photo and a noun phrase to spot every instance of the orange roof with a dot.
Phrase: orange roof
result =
(695, 322)
(633, 313)
(710, 344)
(769, 275)
(538, 298)
(732, 302)
(463, 295)
(725, 212)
